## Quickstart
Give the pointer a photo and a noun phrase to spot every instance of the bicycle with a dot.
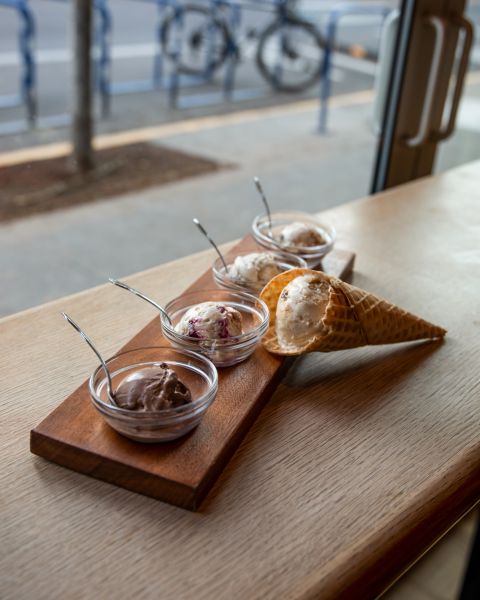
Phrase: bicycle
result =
(200, 38)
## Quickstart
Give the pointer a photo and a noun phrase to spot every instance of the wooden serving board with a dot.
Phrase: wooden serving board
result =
(182, 472)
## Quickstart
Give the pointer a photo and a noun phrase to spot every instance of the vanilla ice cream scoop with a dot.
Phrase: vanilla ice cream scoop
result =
(210, 320)
(300, 310)
(301, 234)
(255, 269)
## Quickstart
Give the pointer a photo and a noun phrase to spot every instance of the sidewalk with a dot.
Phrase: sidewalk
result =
(47, 256)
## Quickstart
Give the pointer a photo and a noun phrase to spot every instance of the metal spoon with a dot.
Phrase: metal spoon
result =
(111, 395)
(258, 185)
(202, 229)
(142, 296)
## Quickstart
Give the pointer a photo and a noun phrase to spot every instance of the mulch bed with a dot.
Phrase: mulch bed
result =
(47, 185)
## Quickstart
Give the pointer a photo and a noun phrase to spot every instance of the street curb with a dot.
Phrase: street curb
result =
(179, 128)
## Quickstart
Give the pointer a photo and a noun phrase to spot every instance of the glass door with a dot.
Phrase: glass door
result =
(430, 69)
(464, 144)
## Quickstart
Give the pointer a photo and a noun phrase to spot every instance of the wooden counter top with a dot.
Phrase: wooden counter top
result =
(360, 461)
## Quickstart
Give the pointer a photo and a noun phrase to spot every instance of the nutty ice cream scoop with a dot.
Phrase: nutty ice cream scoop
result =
(210, 320)
(152, 389)
(255, 269)
(301, 234)
(311, 311)
(300, 310)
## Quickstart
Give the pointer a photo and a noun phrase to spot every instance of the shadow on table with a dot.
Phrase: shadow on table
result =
(354, 383)
(370, 366)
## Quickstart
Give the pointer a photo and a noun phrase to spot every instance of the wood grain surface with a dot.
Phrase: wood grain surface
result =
(358, 463)
(182, 472)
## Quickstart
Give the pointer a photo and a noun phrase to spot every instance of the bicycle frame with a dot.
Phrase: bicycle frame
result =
(284, 10)
(225, 20)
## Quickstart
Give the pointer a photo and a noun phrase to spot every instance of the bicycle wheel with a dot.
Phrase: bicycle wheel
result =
(290, 55)
(200, 39)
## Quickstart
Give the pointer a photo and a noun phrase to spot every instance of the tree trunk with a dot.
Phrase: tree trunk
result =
(82, 97)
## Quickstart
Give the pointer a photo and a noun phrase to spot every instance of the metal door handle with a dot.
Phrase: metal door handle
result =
(439, 28)
(464, 25)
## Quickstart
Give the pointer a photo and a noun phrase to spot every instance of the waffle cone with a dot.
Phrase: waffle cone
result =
(353, 317)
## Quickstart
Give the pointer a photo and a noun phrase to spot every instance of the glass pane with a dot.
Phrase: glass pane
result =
(464, 145)
(200, 101)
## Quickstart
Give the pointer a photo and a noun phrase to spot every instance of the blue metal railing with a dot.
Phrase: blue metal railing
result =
(26, 36)
(103, 66)
(172, 79)
(102, 37)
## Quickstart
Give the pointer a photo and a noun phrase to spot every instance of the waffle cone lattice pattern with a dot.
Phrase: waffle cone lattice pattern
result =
(353, 318)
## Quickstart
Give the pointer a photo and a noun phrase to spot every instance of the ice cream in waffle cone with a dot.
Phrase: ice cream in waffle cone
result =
(314, 312)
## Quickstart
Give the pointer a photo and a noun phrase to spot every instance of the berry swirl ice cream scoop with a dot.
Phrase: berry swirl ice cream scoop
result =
(210, 320)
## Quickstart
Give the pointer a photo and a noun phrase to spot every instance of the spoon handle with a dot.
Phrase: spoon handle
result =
(124, 286)
(258, 185)
(204, 231)
(111, 395)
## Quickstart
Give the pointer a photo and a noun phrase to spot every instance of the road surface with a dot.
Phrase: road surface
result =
(133, 48)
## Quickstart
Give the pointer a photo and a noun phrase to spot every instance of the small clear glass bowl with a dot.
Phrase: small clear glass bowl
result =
(193, 369)
(312, 255)
(222, 352)
(284, 261)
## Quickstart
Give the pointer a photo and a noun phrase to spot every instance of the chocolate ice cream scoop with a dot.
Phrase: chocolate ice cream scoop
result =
(152, 389)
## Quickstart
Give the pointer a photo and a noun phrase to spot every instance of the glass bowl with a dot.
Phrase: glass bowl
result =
(312, 255)
(222, 352)
(283, 260)
(194, 370)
